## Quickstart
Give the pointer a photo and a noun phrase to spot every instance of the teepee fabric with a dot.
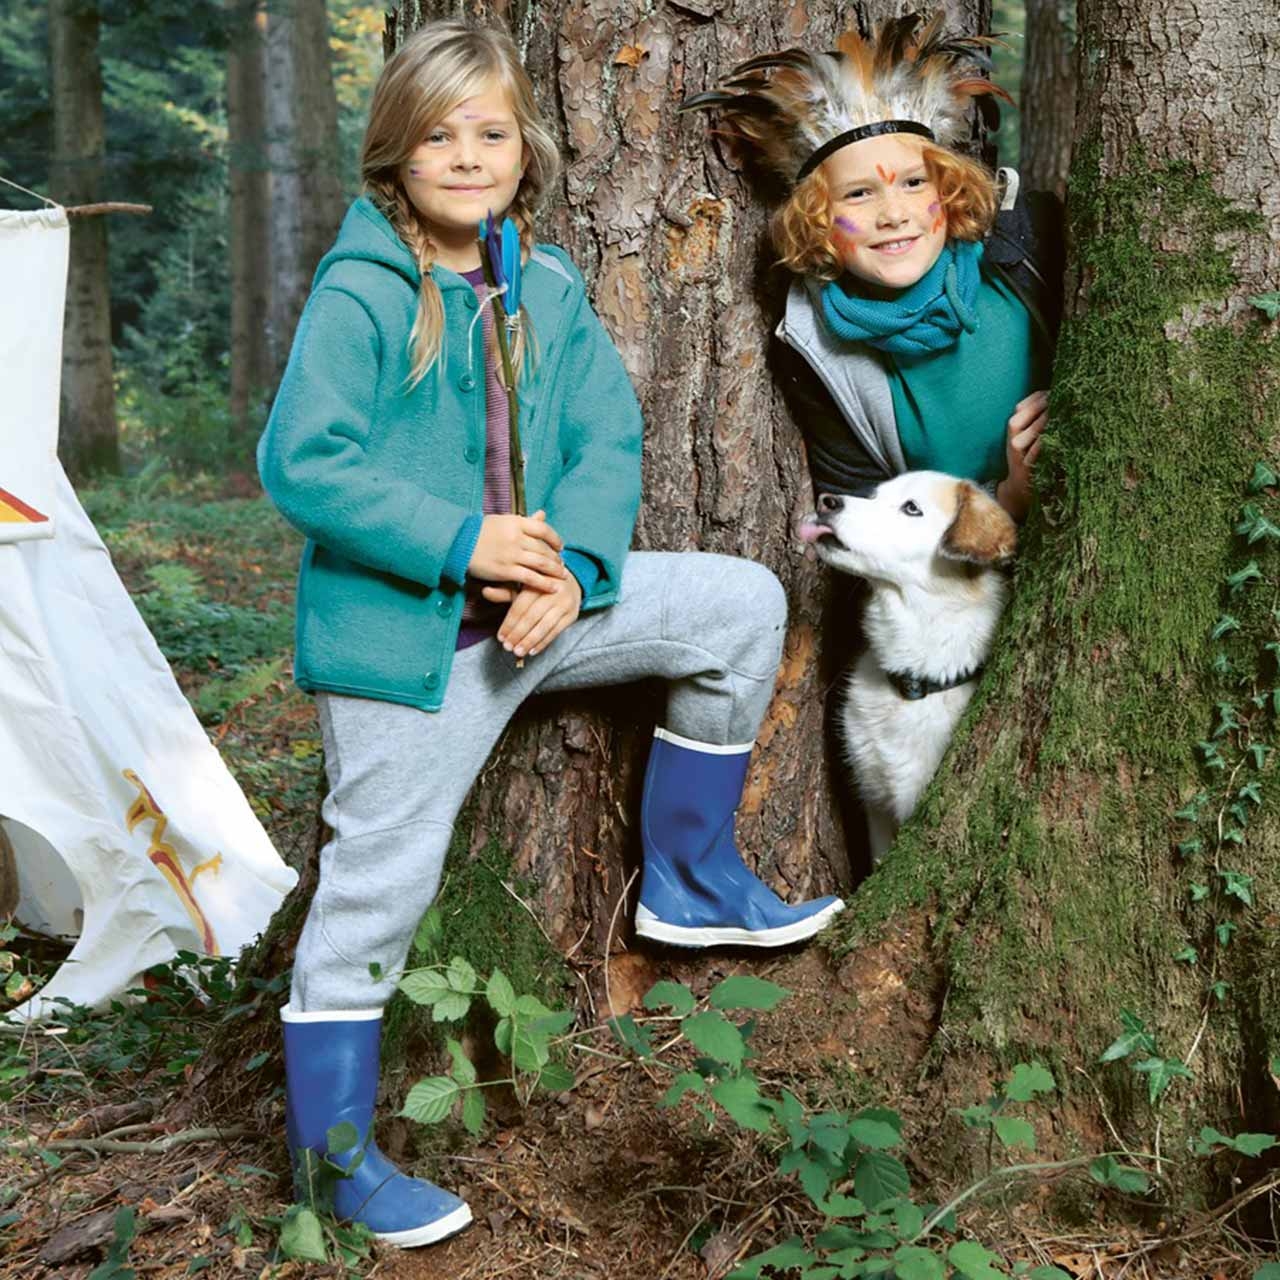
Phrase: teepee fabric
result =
(120, 826)
(34, 248)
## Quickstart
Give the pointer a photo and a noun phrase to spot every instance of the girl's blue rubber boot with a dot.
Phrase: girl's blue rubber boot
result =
(331, 1075)
(696, 890)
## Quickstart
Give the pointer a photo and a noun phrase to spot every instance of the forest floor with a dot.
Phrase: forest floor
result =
(597, 1181)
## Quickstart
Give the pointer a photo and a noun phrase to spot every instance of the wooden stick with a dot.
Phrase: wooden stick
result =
(109, 206)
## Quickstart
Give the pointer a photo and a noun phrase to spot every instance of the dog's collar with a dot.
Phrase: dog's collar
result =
(913, 687)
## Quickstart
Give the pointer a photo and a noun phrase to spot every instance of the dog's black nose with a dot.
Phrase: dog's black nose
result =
(830, 502)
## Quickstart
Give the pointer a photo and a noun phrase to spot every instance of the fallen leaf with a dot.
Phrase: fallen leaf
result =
(630, 55)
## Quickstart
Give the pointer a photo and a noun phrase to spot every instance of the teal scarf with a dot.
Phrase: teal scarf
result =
(927, 316)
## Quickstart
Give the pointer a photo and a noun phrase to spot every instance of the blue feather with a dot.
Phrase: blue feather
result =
(511, 268)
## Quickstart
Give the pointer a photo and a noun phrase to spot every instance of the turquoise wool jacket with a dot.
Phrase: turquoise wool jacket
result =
(380, 477)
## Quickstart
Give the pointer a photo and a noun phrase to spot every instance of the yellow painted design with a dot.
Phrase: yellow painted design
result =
(165, 857)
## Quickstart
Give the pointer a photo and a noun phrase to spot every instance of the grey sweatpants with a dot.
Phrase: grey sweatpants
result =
(712, 625)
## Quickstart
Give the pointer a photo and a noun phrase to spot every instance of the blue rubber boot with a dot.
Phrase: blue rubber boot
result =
(696, 890)
(331, 1076)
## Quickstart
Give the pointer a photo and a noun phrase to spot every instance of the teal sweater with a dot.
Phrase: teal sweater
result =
(952, 406)
(382, 479)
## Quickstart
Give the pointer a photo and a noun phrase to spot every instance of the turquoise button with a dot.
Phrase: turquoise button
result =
(467, 382)
(471, 453)
(431, 680)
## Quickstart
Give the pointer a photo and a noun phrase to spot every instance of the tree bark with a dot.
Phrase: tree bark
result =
(306, 185)
(1041, 889)
(672, 243)
(1048, 95)
(250, 213)
(89, 436)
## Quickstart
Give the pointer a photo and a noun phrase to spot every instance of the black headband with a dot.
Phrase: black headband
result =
(856, 135)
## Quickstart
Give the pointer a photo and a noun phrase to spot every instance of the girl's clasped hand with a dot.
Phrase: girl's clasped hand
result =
(526, 550)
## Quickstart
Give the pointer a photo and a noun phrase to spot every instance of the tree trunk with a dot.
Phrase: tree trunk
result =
(1041, 890)
(251, 369)
(306, 185)
(89, 437)
(672, 243)
(1048, 95)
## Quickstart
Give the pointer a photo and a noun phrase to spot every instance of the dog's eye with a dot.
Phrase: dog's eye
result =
(909, 508)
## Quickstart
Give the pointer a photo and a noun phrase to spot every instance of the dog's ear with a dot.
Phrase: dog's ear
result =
(982, 533)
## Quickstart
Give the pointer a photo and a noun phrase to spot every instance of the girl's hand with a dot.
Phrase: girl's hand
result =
(520, 549)
(1022, 448)
(535, 619)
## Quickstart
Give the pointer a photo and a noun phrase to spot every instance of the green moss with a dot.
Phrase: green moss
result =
(482, 920)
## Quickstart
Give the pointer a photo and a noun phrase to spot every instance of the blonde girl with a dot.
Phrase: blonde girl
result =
(428, 611)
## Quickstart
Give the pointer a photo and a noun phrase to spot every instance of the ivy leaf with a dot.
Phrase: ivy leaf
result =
(1190, 812)
(1254, 525)
(1233, 836)
(1161, 1073)
(746, 992)
(1015, 1132)
(1259, 751)
(717, 1037)
(1027, 1080)
(1107, 1171)
(1189, 848)
(1269, 303)
(740, 1097)
(675, 995)
(1210, 756)
(1198, 892)
(1240, 812)
(1224, 932)
(1225, 625)
(1235, 884)
(1242, 577)
(431, 1100)
(1227, 721)
(1188, 955)
(878, 1177)
(1251, 791)
(1268, 1271)
(1136, 1037)
(1219, 990)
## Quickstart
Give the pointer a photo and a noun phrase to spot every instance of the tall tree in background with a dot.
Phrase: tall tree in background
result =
(306, 187)
(671, 240)
(250, 209)
(1048, 95)
(89, 437)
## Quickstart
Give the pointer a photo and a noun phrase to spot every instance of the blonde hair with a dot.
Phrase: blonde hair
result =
(440, 65)
(801, 228)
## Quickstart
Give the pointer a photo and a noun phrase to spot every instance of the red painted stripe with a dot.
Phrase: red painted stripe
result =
(21, 507)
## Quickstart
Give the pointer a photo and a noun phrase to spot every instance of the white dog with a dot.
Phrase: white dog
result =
(933, 549)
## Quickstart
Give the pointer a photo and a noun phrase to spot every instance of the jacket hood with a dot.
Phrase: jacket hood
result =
(366, 236)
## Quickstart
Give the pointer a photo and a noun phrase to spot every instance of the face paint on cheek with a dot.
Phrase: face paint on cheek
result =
(939, 220)
(848, 227)
(415, 173)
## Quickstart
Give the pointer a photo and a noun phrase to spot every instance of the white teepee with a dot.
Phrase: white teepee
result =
(120, 825)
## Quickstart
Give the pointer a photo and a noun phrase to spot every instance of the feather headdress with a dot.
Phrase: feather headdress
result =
(795, 108)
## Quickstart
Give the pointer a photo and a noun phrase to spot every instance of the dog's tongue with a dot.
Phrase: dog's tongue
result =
(809, 530)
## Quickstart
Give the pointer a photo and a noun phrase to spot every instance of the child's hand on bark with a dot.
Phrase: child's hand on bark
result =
(1022, 448)
(520, 549)
(535, 617)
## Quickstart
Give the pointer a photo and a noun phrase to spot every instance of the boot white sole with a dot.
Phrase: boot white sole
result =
(677, 935)
(431, 1233)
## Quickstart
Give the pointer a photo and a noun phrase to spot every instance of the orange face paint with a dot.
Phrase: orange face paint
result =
(887, 177)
